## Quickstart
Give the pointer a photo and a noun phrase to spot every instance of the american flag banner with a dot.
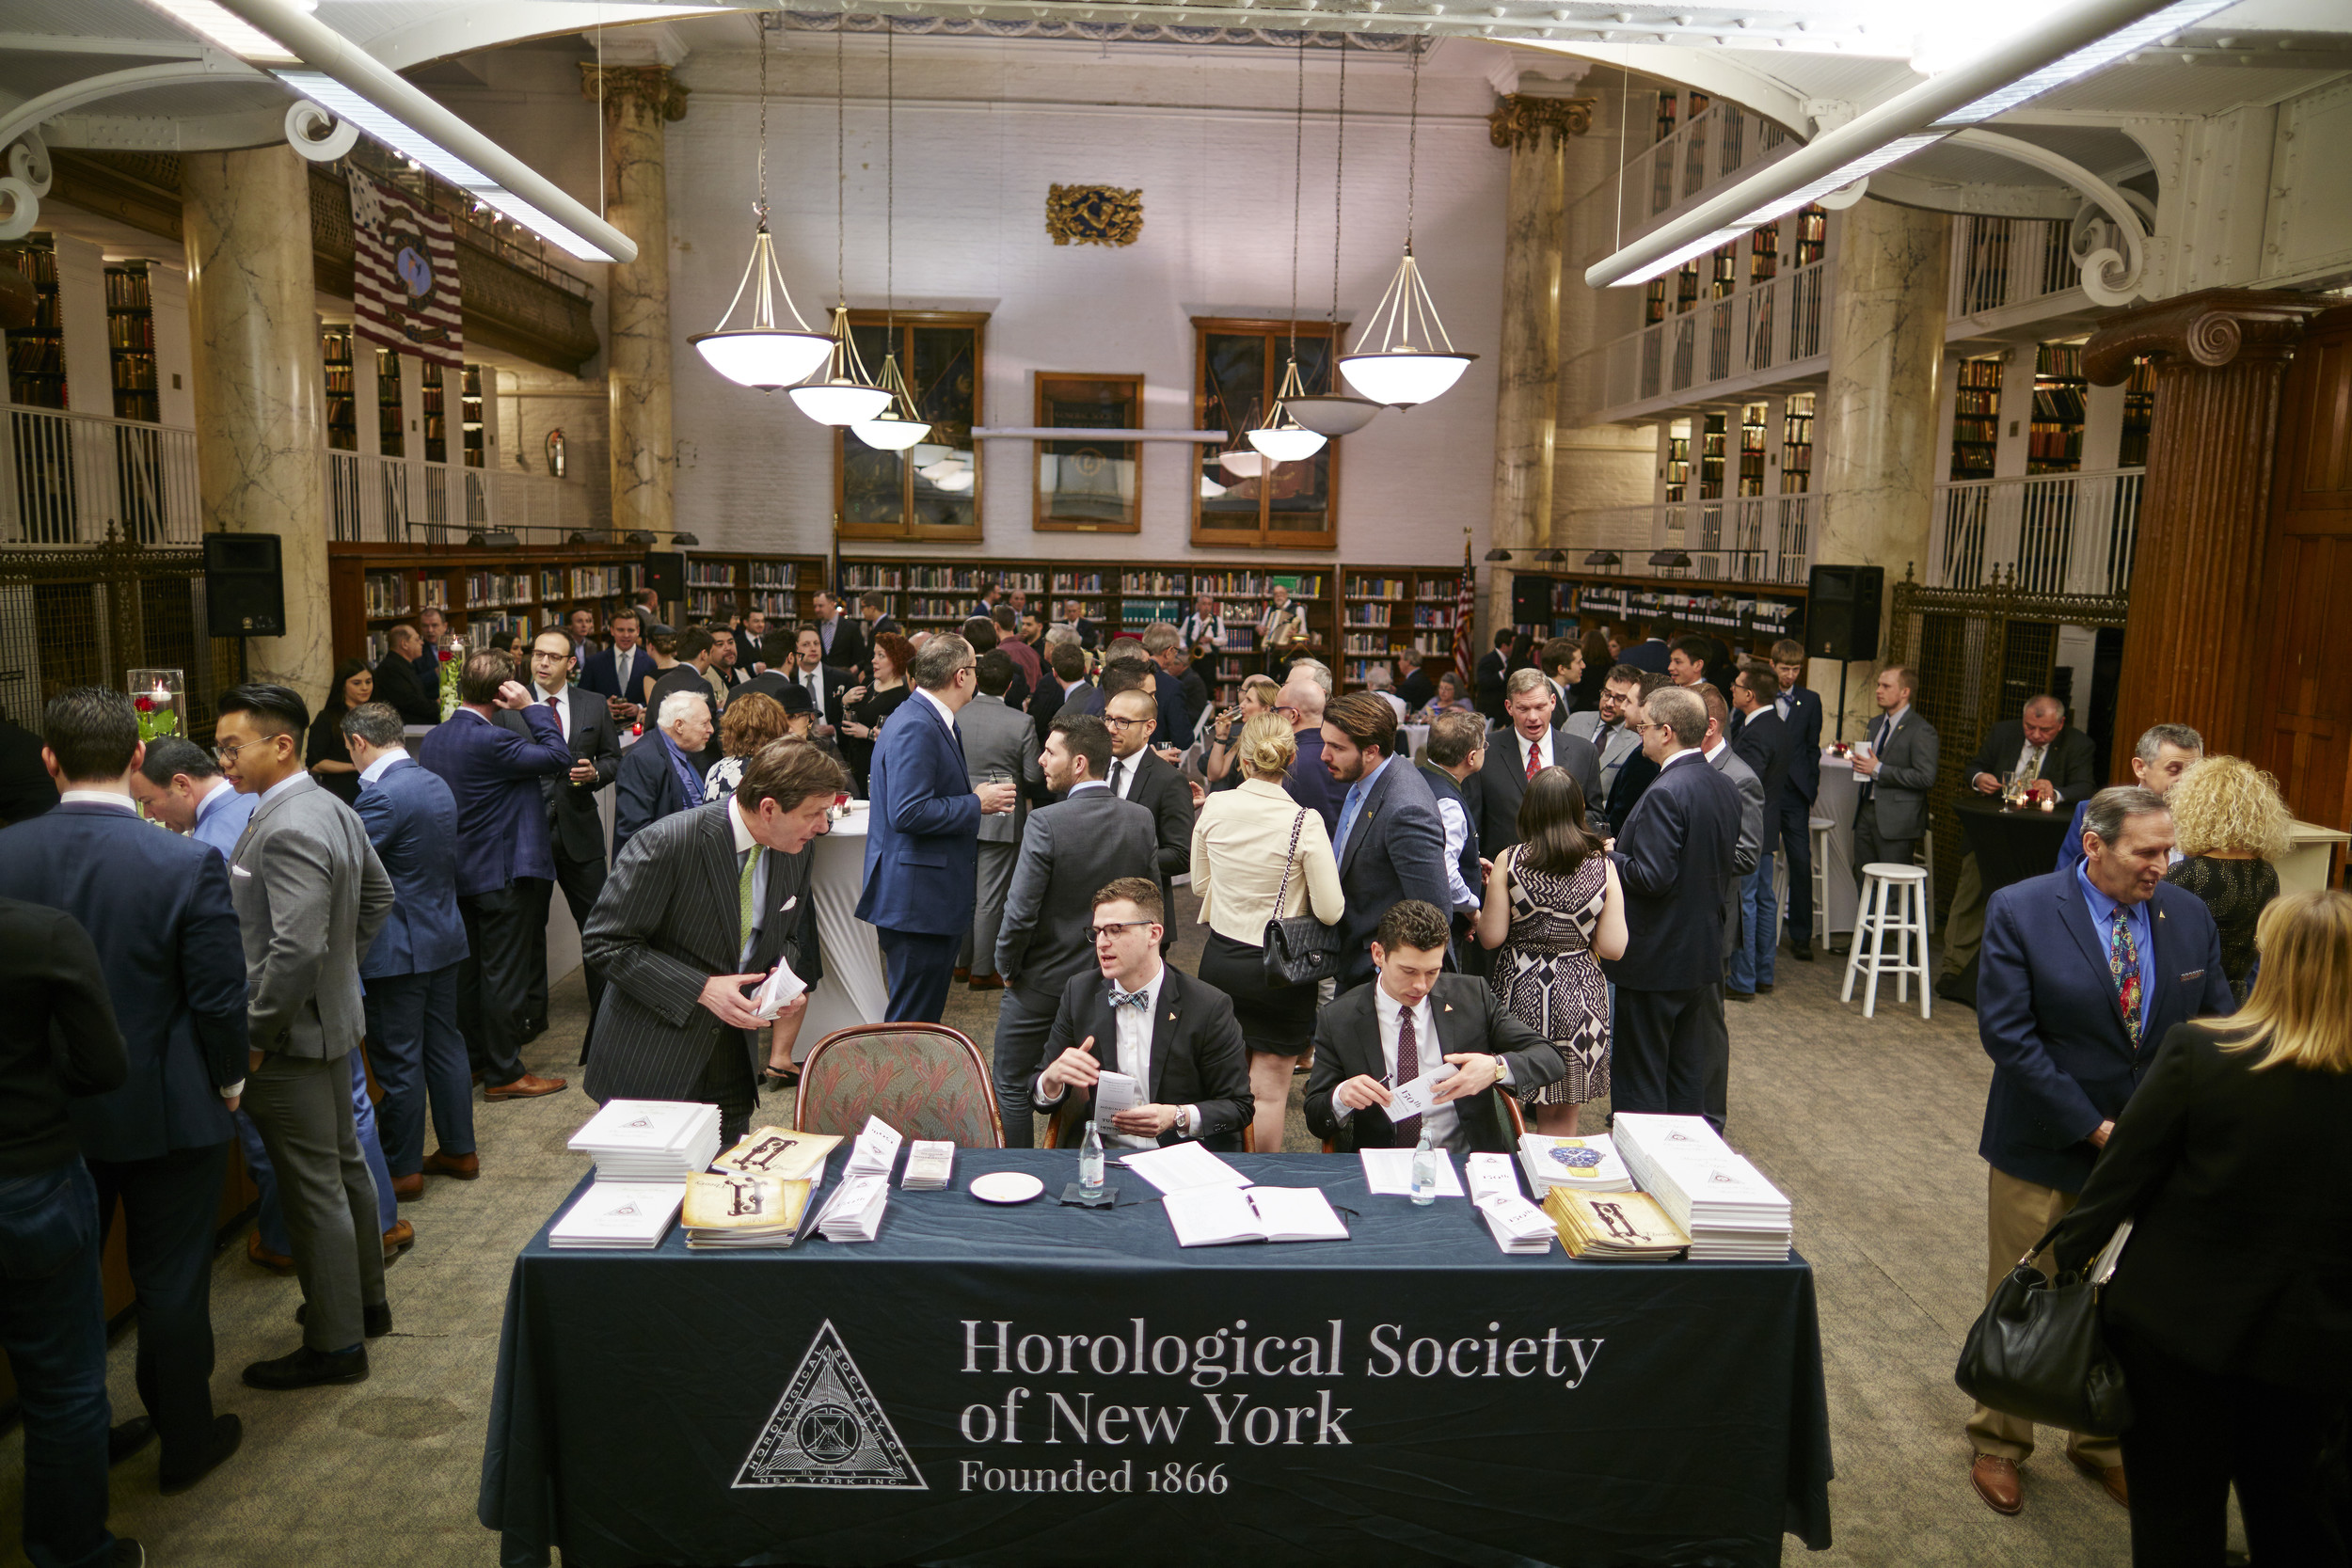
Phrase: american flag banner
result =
(404, 274)
(1464, 615)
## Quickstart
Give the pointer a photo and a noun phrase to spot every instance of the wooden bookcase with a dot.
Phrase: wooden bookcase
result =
(37, 352)
(480, 590)
(131, 341)
(782, 587)
(1975, 418)
(1736, 611)
(1400, 616)
(342, 419)
(2060, 407)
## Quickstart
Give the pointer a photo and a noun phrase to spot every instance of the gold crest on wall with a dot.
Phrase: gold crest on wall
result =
(1093, 215)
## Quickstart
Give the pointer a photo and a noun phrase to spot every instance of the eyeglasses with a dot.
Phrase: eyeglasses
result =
(1125, 723)
(227, 756)
(1102, 932)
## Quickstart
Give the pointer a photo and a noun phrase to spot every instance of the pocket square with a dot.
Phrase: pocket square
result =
(2194, 974)
(789, 902)
(239, 871)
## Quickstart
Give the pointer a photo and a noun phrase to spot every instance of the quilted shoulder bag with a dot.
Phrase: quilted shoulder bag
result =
(1299, 950)
(2036, 1352)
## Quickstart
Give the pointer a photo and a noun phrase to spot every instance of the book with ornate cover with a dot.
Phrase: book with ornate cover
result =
(1588, 1164)
(1613, 1227)
(782, 1152)
(731, 1209)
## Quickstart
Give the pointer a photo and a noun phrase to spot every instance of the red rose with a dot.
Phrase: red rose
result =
(145, 705)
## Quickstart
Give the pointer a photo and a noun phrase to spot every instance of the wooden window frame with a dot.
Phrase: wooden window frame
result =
(1041, 519)
(905, 530)
(1264, 537)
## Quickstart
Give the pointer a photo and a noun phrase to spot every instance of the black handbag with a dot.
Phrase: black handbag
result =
(1299, 950)
(2037, 1352)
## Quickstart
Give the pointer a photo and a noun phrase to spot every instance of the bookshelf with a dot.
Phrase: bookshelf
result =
(2055, 445)
(1678, 459)
(131, 341)
(2140, 416)
(1976, 416)
(1764, 254)
(1812, 234)
(1722, 270)
(1738, 614)
(1796, 445)
(392, 427)
(1400, 616)
(480, 590)
(470, 415)
(342, 419)
(434, 395)
(1753, 427)
(725, 587)
(1713, 439)
(37, 352)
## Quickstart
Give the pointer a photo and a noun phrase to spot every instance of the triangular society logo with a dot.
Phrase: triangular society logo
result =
(828, 1430)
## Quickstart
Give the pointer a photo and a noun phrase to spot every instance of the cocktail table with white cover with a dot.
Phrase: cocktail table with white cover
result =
(852, 990)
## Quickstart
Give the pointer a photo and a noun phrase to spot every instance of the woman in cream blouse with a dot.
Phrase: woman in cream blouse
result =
(1241, 848)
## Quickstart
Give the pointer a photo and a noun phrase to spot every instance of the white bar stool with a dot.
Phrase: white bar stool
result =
(1893, 902)
(1822, 828)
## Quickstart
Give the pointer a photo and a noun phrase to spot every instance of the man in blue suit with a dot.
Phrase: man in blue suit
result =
(157, 907)
(494, 775)
(1391, 846)
(410, 971)
(2082, 975)
(923, 832)
(1800, 711)
(2164, 754)
(615, 672)
(1652, 652)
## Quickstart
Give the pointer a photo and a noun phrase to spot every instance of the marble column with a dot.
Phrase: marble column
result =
(1876, 435)
(261, 432)
(1538, 131)
(2192, 640)
(638, 100)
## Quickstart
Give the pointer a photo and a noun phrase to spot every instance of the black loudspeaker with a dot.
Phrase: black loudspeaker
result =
(1841, 612)
(1531, 600)
(244, 585)
(665, 574)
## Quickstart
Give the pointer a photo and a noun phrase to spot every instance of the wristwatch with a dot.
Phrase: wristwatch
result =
(1502, 1069)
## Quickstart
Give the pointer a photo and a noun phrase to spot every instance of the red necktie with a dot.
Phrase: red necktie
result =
(1408, 1068)
(1535, 758)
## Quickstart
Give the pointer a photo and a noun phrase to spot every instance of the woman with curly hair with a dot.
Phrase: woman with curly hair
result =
(751, 720)
(2231, 829)
(864, 707)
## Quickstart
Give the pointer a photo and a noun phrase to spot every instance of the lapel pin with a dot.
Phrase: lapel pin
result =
(1449, 1006)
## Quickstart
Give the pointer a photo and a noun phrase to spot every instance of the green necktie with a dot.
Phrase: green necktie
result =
(743, 895)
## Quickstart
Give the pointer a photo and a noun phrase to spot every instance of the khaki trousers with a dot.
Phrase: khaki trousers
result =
(1963, 926)
(2017, 1215)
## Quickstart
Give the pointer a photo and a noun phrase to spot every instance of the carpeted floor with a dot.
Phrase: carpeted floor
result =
(1870, 1125)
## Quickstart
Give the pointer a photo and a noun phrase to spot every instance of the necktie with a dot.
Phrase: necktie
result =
(1408, 1068)
(815, 688)
(1117, 777)
(2123, 963)
(1139, 1000)
(555, 706)
(744, 892)
(1535, 758)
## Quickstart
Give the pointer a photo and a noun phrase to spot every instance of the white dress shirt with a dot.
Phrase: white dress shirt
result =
(1443, 1121)
(1122, 775)
(98, 797)
(947, 714)
(1541, 745)
(369, 774)
(1457, 825)
(2036, 757)
(559, 704)
(744, 842)
(813, 682)
(1134, 1058)
(625, 665)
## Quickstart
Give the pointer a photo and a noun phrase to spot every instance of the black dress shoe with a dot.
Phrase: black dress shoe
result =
(228, 1434)
(1763, 987)
(1730, 995)
(376, 1321)
(1800, 951)
(309, 1368)
(127, 1554)
(129, 1438)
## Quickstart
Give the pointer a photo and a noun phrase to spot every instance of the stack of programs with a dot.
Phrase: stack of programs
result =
(627, 1214)
(929, 1164)
(855, 1214)
(1517, 1225)
(1609, 1227)
(876, 1149)
(730, 1210)
(649, 1140)
(1585, 1165)
(781, 1152)
(1733, 1214)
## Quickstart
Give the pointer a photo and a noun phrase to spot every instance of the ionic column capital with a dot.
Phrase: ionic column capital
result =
(2209, 330)
(650, 86)
(1524, 121)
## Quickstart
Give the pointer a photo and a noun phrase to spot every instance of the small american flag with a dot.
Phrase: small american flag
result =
(1465, 613)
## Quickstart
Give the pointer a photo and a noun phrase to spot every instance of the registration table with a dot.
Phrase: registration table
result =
(1049, 1385)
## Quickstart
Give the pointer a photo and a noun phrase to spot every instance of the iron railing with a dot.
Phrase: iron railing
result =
(1719, 143)
(70, 478)
(1759, 539)
(2050, 533)
(1997, 262)
(1780, 326)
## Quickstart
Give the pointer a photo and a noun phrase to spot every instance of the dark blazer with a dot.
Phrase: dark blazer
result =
(1161, 790)
(1625, 792)
(2066, 762)
(398, 683)
(847, 651)
(1494, 791)
(1649, 654)
(833, 680)
(494, 775)
(1754, 822)
(600, 671)
(1805, 742)
(62, 1045)
(2047, 1014)
(1395, 850)
(1198, 1057)
(1486, 683)
(683, 677)
(2070, 848)
(576, 829)
(411, 819)
(2240, 1182)
(156, 906)
(923, 832)
(1674, 856)
(645, 789)
(665, 922)
(1469, 1021)
(1769, 749)
(1309, 783)
(1069, 850)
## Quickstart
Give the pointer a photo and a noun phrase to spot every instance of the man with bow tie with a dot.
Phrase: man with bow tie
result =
(1173, 1035)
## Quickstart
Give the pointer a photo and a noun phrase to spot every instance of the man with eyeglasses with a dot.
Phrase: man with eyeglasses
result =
(1308, 781)
(1068, 851)
(1175, 1035)
(1140, 774)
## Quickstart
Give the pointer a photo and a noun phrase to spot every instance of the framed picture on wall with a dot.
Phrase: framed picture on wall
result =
(1088, 485)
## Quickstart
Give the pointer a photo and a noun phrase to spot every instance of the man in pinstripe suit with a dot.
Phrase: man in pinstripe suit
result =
(702, 905)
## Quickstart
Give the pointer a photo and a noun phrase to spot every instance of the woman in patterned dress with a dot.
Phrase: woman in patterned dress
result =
(1553, 905)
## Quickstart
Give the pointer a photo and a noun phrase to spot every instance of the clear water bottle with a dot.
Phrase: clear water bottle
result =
(1090, 1161)
(1424, 1171)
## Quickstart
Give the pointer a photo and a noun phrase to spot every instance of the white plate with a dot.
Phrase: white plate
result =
(1007, 1186)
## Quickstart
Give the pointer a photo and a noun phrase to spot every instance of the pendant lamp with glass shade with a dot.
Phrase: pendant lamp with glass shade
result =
(847, 394)
(765, 354)
(897, 426)
(1284, 440)
(1334, 412)
(1414, 360)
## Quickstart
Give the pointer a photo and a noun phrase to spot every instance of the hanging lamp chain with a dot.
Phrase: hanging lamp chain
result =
(840, 161)
(1412, 150)
(1299, 189)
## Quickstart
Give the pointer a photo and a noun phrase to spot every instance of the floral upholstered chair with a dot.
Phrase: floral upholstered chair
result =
(924, 1079)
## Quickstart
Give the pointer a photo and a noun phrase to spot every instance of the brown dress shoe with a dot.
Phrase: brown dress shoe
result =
(2108, 1476)
(1995, 1480)
(277, 1262)
(407, 1189)
(988, 982)
(528, 1087)
(963, 974)
(465, 1167)
(399, 1239)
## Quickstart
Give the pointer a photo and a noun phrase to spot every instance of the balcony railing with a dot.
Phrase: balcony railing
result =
(387, 500)
(1759, 539)
(2051, 533)
(1778, 328)
(70, 477)
(1997, 262)
(1717, 144)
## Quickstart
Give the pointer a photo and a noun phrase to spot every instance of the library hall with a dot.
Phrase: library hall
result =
(904, 785)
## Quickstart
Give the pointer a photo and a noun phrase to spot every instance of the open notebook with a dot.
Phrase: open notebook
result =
(1217, 1216)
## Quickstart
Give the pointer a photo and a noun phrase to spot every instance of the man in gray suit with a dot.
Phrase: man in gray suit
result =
(1895, 777)
(1609, 729)
(1070, 851)
(1749, 850)
(310, 895)
(701, 905)
(996, 749)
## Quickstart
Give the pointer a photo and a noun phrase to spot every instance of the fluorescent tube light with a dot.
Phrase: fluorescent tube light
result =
(1845, 174)
(1674, 259)
(2082, 62)
(232, 33)
(393, 132)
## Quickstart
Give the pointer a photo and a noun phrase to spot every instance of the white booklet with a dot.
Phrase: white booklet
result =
(633, 1215)
(1491, 1176)
(876, 1149)
(855, 1214)
(1180, 1167)
(1518, 1225)
(777, 991)
(1419, 1097)
(1389, 1172)
(1215, 1216)
(641, 1126)
(1114, 1092)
